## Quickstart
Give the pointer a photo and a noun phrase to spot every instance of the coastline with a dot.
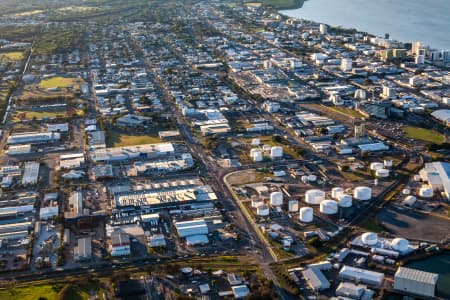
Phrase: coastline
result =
(280, 4)
(372, 28)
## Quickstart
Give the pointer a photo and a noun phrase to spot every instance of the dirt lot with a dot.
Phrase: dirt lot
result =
(416, 226)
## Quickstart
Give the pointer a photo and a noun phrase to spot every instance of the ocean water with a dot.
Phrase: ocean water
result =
(427, 21)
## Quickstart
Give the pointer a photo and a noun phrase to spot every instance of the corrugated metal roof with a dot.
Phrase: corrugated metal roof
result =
(417, 275)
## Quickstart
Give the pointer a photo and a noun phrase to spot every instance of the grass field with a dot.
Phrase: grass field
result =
(39, 115)
(115, 139)
(50, 292)
(56, 82)
(348, 111)
(423, 134)
(11, 56)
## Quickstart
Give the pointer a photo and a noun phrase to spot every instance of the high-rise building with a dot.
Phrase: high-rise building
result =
(323, 28)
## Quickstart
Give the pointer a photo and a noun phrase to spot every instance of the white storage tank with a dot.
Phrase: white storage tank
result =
(362, 193)
(328, 207)
(369, 238)
(314, 196)
(293, 205)
(263, 211)
(257, 202)
(304, 179)
(406, 191)
(382, 173)
(336, 191)
(256, 154)
(306, 214)
(426, 192)
(345, 200)
(400, 244)
(388, 163)
(276, 199)
(376, 166)
(276, 152)
(312, 178)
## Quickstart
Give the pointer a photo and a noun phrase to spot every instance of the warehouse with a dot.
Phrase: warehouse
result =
(315, 279)
(71, 161)
(120, 244)
(75, 208)
(13, 211)
(97, 139)
(373, 147)
(15, 230)
(171, 164)
(33, 138)
(415, 282)
(46, 213)
(354, 291)
(361, 275)
(83, 251)
(198, 239)
(30, 173)
(10, 170)
(443, 116)
(132, 152)
(157, 240)
(188, 228)
(14, 227)
(62, 127)
(19, 149)
(165, 196)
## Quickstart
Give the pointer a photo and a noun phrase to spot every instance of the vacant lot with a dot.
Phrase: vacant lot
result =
(115, 139)
(56, 82)
(414, 225)
(423, 134)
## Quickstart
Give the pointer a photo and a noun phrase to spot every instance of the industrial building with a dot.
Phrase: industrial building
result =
(15, 230)
(437, 175)
(166, 195)
(120, 244)
(415, 282)
(240, 291)
(132, 152)
(361, 275)
(97, 139)
(189, 228)
(354, 291)
(315, 278)
(46, 213)
(194, 231)
(157, 240)
(19, 149)
(75, 208)
(62, 127)
(30, 173)
(443, 116)
(33, 138)
(83, 250)
(71, 161)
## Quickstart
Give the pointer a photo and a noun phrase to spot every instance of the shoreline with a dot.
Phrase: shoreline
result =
(274, 4)
(343, 28)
